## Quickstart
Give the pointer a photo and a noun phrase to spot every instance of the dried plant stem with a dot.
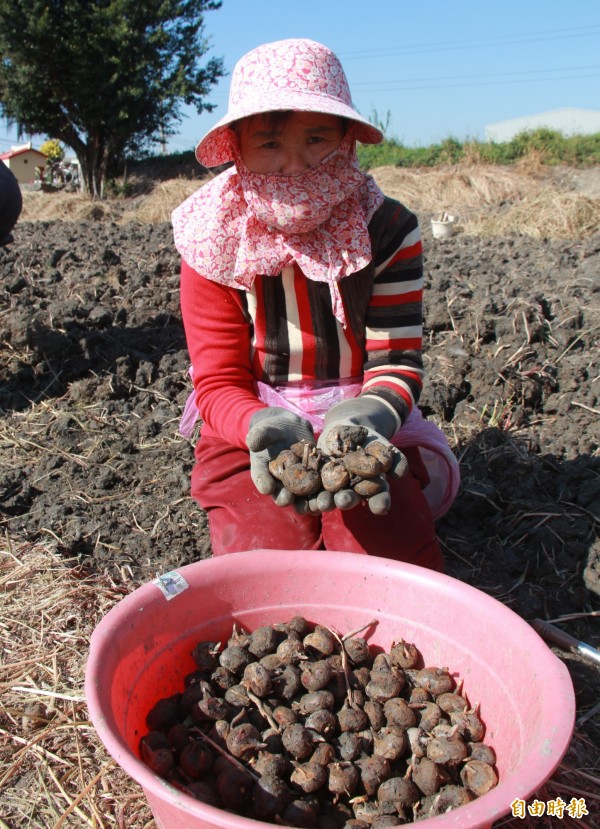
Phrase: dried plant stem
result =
(74, 803)
(574, 343)
(199, 733)
(588, 714)
(583, 406)
(42, 692)
(352, 633)
(591, 777)
(75, 808)
(28, 745)
(264, 711)
(344, 656)
(575, 792)
(345, 666)
(568, 616)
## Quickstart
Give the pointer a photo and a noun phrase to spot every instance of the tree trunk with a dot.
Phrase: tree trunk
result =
(93, 171)
(93, 159)
(94, 186)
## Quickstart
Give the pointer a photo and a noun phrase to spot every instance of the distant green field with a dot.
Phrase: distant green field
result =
(547, 146)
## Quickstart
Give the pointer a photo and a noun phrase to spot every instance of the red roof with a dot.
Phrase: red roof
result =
(20, 151)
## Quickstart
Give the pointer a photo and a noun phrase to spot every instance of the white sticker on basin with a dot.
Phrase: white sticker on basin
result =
(171, 584)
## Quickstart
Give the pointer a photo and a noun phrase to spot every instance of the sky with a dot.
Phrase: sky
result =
(428, 70)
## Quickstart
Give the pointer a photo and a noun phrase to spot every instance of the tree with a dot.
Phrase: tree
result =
(105, 77)
(53, 151)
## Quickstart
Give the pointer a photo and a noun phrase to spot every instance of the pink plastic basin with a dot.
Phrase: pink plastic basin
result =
(140, 652)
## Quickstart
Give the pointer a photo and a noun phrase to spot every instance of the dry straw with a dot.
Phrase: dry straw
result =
(54, 772)
(158, 206)
(497, 201)
(547, 214)
(459, 188)
(152, 204)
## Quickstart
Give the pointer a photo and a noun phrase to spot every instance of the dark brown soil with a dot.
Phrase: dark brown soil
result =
(93, 377)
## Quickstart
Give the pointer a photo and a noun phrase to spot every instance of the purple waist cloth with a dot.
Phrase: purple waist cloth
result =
(313, 403)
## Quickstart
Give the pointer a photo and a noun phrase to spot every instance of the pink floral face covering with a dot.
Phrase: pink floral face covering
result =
(243, 224)
(300, 203)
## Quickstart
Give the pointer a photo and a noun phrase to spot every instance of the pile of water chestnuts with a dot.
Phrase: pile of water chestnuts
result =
(348, 462)
(297, 725)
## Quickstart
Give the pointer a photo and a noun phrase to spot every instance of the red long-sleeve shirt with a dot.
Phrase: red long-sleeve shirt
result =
(283, 330)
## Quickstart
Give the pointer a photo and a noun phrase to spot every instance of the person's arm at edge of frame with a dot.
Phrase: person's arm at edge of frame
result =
(218, 339)
(393, 370)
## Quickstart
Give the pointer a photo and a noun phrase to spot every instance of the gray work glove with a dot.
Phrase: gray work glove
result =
(382, 423)
(272, 430)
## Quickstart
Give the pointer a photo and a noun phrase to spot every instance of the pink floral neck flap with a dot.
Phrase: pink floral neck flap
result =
(243, 224)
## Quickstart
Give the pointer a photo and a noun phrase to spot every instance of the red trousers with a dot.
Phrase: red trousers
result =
(241, 518)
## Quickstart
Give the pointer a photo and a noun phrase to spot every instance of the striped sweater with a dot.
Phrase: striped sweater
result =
(283, 330)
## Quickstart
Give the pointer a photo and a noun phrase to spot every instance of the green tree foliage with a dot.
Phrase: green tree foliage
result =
(105, 77)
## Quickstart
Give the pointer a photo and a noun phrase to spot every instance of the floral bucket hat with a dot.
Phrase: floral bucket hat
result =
(293, 74)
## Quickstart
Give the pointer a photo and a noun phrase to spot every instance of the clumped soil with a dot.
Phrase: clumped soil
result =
(93, 379)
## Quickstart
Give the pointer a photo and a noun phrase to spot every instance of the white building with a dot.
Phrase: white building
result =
(568, 121)
(25, 163)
